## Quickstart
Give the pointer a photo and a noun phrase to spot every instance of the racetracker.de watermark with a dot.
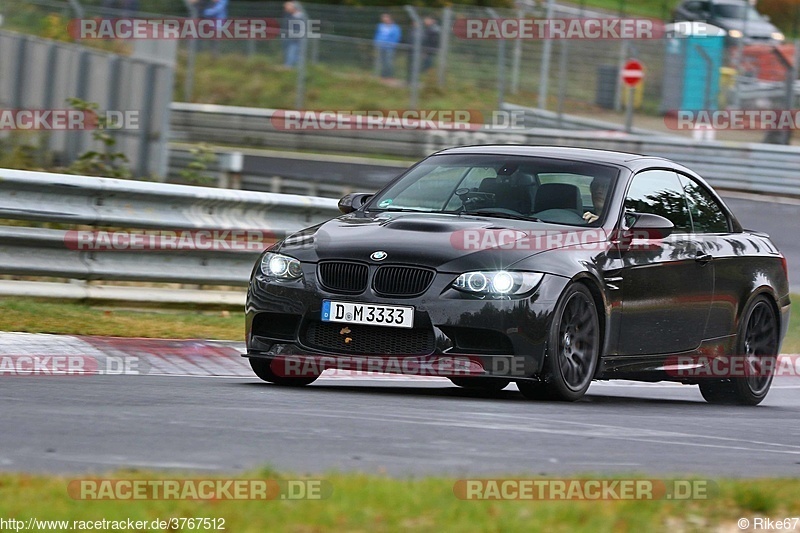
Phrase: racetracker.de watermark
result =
(166, 240)
(300, 365)
(199, 489)
(395, 119)
(67, 119)
(232, 29)
(584, 489)
(559, 28)
(732, 366)
(70, 365)
(540, 240)
(733, 119)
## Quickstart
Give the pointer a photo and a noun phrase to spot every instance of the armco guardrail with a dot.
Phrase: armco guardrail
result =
(108, 204)
(296, 173)
(754, 167)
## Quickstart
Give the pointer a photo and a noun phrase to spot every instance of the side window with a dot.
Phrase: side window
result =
(659, 192)
(707, 215)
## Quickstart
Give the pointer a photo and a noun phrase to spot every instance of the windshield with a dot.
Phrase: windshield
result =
(736, 11)
(531, 188)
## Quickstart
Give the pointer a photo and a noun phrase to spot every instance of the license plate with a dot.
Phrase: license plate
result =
(374, 315)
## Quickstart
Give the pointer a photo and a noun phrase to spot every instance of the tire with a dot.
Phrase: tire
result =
(484, 384)
(573, 349)
(263, 369)
(757, 340)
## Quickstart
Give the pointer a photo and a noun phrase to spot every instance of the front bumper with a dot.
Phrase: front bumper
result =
(453, 332)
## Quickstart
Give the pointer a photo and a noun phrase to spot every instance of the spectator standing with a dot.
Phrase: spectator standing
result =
(430, 42)
(292, 30)
(216, 9)
(387, 36)
(212, 9)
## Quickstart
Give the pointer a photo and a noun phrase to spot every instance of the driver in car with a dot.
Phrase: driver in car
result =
(598, 188)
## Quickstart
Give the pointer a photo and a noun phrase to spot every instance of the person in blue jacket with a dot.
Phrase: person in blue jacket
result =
(217, 9)
(214, 10)
(387, 36)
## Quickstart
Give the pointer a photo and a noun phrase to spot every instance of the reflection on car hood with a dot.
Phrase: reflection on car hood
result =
(449, 243)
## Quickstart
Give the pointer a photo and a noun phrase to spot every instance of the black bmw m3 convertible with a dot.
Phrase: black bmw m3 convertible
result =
(547, 267)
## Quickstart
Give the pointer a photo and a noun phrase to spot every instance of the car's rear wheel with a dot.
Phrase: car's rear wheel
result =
(263, 369)
(757, 342)
(485, 384)
(573, 349)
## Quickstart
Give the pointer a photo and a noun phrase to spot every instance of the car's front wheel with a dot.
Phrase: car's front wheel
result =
(757, 343)
(263, 369)
(573, 349)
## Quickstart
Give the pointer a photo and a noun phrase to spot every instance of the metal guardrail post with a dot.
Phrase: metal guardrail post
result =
(191, 54)
(76, 142)
(501, 64)
(315, 51)
(300, 94)
(166, 124)
(623, 56)
(146, 120)
(444, 44)
(516, 59)
(19, 74)
(562, 79)
(415, 55)
(544, 71)
(737, 97)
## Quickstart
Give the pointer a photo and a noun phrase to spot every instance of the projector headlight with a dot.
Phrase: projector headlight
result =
(280, 266)
(497, 282)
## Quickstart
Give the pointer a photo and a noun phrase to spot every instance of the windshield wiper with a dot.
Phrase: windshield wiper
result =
(404, 209)
(495, 214)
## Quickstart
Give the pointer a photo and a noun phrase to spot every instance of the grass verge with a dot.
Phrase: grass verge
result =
(360, 502)
(33, 316)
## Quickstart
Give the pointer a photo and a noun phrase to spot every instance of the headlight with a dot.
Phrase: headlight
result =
(735, 34)
(497, 282)
(280, 266)
(778, 36)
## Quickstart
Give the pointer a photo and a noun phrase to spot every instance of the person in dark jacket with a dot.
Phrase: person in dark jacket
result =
(431, 36)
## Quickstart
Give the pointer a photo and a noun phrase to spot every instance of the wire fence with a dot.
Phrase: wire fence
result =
(565, 75)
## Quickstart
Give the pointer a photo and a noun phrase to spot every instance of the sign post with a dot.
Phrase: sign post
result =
(632, 75)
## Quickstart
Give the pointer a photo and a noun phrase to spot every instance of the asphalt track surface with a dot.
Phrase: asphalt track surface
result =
(196, 406)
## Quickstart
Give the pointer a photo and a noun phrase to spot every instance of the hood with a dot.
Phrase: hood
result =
(446, 242)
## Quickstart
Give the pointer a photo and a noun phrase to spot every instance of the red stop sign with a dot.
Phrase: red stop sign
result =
(632, 73)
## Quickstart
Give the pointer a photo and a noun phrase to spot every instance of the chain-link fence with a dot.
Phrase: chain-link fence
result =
(565, 75)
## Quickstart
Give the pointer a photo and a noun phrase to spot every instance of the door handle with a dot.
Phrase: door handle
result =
(703, 258)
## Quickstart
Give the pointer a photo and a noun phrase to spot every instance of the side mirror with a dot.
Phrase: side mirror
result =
(650, 226)
(641, 226)
(353, 201)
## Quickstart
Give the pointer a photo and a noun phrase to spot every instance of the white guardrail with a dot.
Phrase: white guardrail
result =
(44, 216)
